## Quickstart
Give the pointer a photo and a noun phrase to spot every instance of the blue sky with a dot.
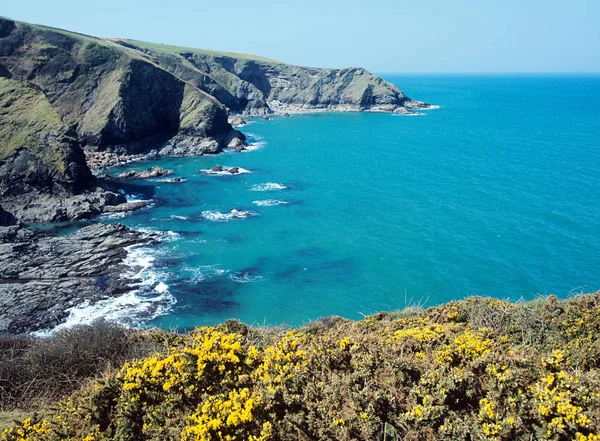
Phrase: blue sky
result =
(380, 35)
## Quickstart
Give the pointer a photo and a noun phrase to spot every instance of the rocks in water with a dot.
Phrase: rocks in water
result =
(237, 144)
(125, 207)
(153, 172)
(224, 171)
(236, 120)
(41, 277)
(266, 118)
(287, 115)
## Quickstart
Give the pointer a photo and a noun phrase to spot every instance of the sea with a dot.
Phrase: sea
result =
(493, 192)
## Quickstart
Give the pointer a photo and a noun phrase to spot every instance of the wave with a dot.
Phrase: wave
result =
(150, 298)
(253, 146)
(269, 186)
(217, 216)
(432, 107)
(225, 172)
(270, 203)
(243, 277)
(198, 274)
(176, 217)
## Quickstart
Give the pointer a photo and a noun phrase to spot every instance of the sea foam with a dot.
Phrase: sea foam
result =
(217, 216)
(269, 203)
(269, 186)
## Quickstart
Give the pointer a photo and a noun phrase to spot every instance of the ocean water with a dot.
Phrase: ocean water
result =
(496, 193)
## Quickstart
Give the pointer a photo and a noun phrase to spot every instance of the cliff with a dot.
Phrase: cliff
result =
(64, 94)
(257, 86)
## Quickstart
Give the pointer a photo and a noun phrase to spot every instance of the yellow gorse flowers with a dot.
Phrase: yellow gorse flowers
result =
(427, 375)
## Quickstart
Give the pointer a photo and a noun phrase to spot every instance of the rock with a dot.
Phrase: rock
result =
(237, 144)
(41, 277)
(287, 115)
(266, 118)
(127, 206)
(42, 207)
(153, 172)
(236, 120)
(234, 170)
(217, 168)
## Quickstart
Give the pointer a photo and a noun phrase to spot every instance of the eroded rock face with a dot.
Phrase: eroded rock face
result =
(41, 277)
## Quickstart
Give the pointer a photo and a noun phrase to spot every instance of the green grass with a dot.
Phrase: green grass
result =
(177, 50)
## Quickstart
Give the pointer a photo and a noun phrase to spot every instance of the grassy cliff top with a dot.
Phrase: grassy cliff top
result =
(158, 48)
(478, 369)
(166, 49)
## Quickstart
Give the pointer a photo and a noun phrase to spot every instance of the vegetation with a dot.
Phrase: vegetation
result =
(480, 369)
(26, 117)
(177, 50)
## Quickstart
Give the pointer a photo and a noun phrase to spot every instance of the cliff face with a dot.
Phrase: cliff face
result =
(113, 97)
(43, 172)
(257, 86)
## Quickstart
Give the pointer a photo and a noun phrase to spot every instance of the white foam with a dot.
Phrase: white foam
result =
(254, 146)
(161, 287)
(170, 180)
(432, 107)
(269, 186)
(216, 216)
(203, 272)
(269, 203)
(174, 216)
(245, 278)
(225, 172)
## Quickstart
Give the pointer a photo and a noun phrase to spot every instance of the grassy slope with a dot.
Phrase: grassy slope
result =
(176, 50)
(26, 121)
(479, 369)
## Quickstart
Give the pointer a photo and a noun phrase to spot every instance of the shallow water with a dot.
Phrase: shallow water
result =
(496, 193)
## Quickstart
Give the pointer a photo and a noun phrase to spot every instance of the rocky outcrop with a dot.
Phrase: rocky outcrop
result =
(42, 277)
(152, 172)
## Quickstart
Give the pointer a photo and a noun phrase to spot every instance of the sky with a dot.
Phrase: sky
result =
(383, 36)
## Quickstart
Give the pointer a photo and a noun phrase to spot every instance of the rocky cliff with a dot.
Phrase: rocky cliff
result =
(63, 94)
(256, 86)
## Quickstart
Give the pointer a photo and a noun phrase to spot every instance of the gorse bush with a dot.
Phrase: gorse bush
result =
(479, 369)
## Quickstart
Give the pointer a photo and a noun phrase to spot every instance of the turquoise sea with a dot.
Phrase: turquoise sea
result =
(496, 193)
